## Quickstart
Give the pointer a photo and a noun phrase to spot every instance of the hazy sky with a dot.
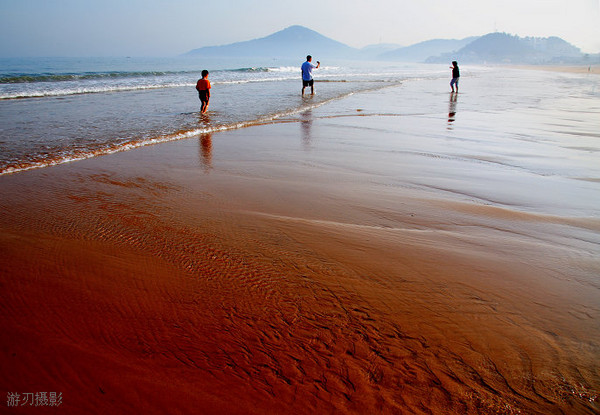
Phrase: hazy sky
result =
(172, 27)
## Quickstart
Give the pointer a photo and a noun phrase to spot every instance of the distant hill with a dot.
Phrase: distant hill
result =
(295, 41)
(505, 48)
(423, 50)
(298, 41)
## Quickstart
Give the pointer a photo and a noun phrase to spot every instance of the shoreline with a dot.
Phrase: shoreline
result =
(304, 266)
(578, 69)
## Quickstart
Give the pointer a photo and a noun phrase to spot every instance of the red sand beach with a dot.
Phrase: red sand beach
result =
(349, 260)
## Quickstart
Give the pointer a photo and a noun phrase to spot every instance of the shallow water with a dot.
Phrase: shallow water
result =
(520, 139)
(54, 111)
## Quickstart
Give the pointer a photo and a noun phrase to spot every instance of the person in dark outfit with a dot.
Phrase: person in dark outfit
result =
(203, 88)
(455, 76)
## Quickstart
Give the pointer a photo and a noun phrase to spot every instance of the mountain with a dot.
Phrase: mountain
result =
(505, 48)
(423, 50)
(298, 41)
(295, 41)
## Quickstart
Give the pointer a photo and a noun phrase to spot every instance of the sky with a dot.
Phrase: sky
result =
(172, 27)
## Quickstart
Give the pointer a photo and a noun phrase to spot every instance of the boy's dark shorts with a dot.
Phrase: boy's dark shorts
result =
(203, 95)
(308, 83)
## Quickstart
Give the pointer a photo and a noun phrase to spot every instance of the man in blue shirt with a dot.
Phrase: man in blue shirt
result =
(307, 78)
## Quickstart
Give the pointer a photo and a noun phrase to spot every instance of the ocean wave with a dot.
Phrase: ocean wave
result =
(264, 69)
(40, 93)
(108, 88)
(40, 85)
(248, 70)
(285, 69)
(24, 78)
(33, 78)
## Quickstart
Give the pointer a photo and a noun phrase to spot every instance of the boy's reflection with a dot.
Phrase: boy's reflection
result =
(205, 142)
(206, 150)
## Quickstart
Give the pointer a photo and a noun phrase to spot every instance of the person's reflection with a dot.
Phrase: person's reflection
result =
(205, 142)
(206, 150)
(306, 125)
(452, 109)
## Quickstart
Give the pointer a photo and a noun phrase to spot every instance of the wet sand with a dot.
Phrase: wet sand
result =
(580, 69)
(350, 260)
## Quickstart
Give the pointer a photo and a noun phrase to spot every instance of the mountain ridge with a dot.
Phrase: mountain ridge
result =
(423, 50)
(292, 41)
(298, 41)
(505, 48)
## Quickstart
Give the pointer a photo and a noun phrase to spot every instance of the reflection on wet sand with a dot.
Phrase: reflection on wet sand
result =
(206, 150)
(452, 109)
(205, 142)
(306, 120)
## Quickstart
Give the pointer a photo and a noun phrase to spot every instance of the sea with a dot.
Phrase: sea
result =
(58, 110)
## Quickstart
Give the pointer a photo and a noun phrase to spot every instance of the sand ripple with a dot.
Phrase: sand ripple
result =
(286, 314)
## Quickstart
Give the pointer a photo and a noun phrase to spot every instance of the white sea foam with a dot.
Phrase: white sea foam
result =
(55, 92)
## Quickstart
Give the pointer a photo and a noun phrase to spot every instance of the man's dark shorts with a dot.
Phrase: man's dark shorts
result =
(308, 83)
(203, 95)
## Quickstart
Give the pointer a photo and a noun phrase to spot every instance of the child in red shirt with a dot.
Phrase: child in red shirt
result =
(203, 88)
